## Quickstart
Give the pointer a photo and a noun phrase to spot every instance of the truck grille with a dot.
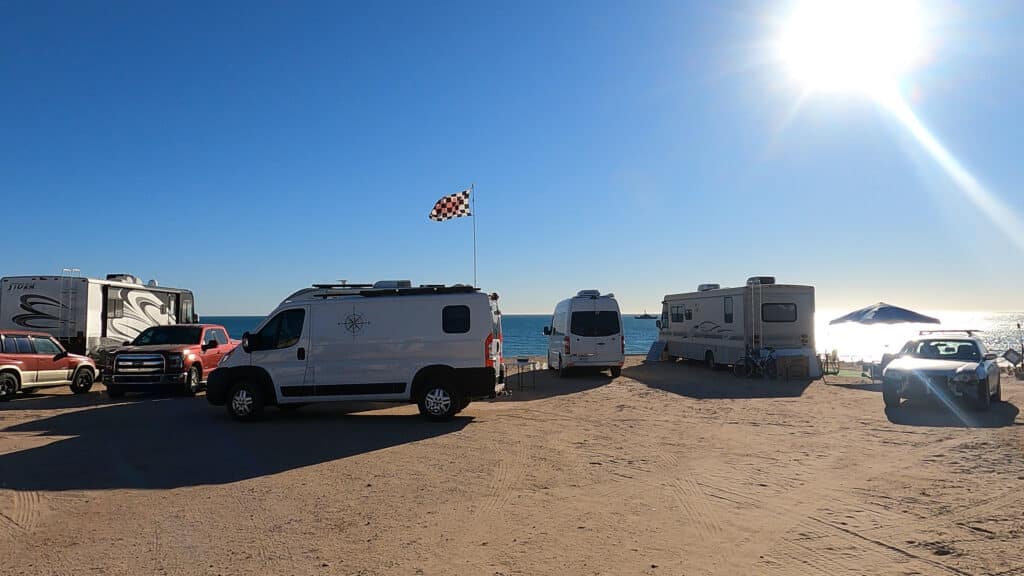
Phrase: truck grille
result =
(139, 364)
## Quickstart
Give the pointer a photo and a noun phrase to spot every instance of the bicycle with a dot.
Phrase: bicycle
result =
(760, 362)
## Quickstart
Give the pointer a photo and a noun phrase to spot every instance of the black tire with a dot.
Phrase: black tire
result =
(982, 400)
(114, 391)
(82, 381)
(563, 371)
(8, 386)
(438, 401)
(245, 401)
(709, 360)
(616, 371)
(998, 396)
(890, 395)
(192, 380)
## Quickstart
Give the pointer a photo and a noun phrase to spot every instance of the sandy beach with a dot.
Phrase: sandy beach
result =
(668, 469)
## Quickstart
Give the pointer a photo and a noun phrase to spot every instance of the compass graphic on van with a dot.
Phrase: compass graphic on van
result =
(355, 322)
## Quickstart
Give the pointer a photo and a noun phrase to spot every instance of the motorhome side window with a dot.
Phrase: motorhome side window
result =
(455, 319)
(778, 312)
(282, 331)
(678, 314)
(728, 309)
(689, 314)
(115, 308)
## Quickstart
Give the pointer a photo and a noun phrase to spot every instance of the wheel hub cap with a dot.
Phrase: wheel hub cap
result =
(241, 402)
(437, 401)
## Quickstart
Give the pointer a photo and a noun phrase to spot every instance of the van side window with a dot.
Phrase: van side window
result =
(728, 309)
(455, 319)
(283, 331)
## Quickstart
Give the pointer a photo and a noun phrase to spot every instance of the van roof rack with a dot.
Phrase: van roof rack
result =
(343, 285)
(418, 291)
(968, 331)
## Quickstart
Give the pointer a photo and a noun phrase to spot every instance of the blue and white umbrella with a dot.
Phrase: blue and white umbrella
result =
(883, 313)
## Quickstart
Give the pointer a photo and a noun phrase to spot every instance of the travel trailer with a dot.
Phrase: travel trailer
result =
(436, 346)
(586, 331)
(87, 314)
(718, 326)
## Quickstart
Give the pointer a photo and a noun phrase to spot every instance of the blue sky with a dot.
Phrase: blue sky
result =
(244, 150)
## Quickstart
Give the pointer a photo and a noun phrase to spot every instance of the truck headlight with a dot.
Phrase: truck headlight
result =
(175, 362)
(965, 377)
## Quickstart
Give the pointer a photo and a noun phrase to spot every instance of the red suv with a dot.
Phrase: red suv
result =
(37, 360)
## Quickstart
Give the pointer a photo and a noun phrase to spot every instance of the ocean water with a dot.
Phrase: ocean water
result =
(523, 333)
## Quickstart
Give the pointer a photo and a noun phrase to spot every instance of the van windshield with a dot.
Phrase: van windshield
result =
(603, 323)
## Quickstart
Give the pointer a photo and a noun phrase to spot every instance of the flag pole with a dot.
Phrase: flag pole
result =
(472, 204)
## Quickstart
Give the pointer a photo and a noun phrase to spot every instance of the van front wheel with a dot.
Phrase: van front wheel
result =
(439, 401)
(245, 401)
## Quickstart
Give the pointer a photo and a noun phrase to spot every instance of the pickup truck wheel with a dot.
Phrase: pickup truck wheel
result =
(981, 398)
(439, 401)
(8, 386)
(191, 385)
(245, 401)
(890, 395)
(82, 381)
(115, 391)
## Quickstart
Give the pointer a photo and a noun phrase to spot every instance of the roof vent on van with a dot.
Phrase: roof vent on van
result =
(588, 293)
(754, 280)
(706, 287)
(392, 284)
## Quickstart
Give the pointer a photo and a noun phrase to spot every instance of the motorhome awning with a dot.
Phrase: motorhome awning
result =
(883, 313)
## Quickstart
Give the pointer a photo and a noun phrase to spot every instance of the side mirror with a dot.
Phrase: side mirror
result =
(60, 355)
(658, 324)
(245, 342)
(547, 330)
(210, 345)
(990, 356)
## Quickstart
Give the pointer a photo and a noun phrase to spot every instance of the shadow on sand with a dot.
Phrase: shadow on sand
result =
(165, 442)
(696, 381)
(938, 413)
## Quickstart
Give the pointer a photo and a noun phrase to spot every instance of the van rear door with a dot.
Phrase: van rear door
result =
(595, 334)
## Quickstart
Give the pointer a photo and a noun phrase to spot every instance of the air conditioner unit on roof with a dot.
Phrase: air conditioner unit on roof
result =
(760, 280)
(706, 287)
(588, 293)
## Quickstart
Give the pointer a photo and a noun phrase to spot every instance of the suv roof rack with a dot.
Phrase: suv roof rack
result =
(968, 331)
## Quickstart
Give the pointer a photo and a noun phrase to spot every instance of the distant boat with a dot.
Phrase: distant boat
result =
(645, 316)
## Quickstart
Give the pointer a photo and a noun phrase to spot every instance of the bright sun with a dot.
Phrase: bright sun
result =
(851, 45)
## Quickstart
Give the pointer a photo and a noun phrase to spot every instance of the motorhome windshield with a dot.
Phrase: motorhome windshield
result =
(159, 335)
(603, 323)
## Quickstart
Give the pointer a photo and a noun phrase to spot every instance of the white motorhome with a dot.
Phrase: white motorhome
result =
(586, 331)
(88, 314)
(437, 346)
(718, 326)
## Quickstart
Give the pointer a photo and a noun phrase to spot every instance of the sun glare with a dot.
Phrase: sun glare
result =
(851, 45)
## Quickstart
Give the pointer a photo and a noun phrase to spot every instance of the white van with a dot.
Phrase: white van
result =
(586, 331)
(437, 346)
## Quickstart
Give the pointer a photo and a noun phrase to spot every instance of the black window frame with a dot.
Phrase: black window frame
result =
(728, 311)
(461, 324)
(115, 308)
(796, 313)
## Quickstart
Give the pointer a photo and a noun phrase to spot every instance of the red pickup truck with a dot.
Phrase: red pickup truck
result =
(35, 360)
(176, 357)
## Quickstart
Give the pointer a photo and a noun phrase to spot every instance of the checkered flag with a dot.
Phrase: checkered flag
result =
(451, 206)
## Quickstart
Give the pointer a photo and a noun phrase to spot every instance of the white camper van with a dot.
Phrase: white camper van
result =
(719, 326)
(88, 314)
(586, 331)
(437, 346)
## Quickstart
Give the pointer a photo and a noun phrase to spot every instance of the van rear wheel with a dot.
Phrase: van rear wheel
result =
(439, 401)
(616, 371)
